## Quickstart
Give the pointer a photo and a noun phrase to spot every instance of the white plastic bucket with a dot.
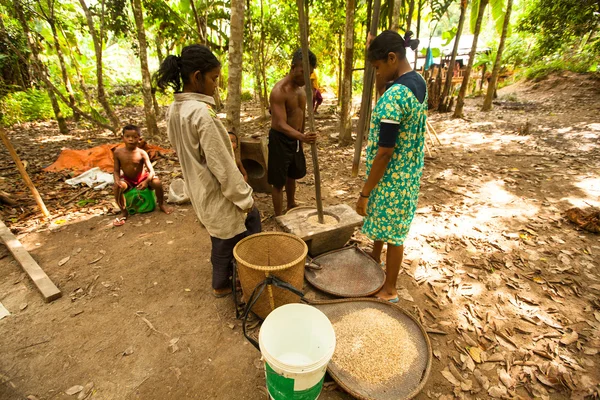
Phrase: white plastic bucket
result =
(296, 341)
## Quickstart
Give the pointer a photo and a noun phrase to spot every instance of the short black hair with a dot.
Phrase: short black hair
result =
(237, 140)
(391, 42)
(131, 128)
(297, 58)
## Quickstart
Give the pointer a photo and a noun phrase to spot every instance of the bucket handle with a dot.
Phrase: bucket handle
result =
(270, 280)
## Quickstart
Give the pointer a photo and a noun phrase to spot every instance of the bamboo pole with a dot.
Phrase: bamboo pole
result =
(311, 116)
(21, 168)
(367, 95)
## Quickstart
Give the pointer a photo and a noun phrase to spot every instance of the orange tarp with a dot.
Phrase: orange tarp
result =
(80, 161)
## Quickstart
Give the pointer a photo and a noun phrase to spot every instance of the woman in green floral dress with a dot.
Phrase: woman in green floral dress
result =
(388, 199)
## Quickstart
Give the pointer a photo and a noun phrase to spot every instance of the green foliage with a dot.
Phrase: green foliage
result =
(473, 15)
(246, 95)
(25, 106)
(448, 36)
(498, 11)
(559, 22)
(486, 58)
(576, 63)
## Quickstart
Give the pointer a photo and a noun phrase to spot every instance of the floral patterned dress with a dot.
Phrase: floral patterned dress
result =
(393, 202)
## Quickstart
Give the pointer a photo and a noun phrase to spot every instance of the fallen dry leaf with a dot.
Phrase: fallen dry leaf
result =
(482, 379)
(475, 353)
(569, 338)
(466, 385)
(173, 345)
(498, 392)
(64, 261)
(506, 379)
(449, 377)
(74, 390)
(87, 390)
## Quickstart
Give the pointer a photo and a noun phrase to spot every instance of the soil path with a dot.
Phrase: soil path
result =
(490, 262)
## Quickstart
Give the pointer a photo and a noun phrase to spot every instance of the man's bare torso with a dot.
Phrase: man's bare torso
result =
(295, 102)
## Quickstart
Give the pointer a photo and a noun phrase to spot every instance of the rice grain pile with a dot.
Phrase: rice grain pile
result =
(372, 346)
(327, 219)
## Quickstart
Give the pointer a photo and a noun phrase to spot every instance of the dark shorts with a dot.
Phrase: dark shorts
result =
(286, 159)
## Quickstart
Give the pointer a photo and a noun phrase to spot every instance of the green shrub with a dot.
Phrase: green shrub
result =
(246, 95)
(30, 105)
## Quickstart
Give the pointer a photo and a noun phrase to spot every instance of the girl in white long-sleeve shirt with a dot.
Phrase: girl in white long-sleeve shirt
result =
(220, 196)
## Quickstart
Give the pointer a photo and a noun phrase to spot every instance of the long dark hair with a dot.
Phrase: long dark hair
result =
(391, 42)
(177, 69)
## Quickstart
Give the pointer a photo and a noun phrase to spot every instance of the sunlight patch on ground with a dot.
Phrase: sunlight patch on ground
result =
(495, 192)
(56, 138)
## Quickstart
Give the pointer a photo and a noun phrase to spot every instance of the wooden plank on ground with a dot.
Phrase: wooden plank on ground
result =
(48, 289)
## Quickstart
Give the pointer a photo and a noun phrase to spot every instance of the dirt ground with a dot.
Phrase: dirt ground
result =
(491, 264)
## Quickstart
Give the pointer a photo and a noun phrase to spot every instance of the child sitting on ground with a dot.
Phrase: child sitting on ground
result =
(234, 143)
(137, 172)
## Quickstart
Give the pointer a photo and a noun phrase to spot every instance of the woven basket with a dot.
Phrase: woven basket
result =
(271, 253)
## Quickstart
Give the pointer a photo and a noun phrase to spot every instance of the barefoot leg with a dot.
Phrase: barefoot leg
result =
(393, 262)
(277, 195)
(119, 189)
(376, 253)
(160, 195)
(290, 191)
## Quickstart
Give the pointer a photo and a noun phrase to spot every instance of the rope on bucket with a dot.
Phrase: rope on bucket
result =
(257, 292)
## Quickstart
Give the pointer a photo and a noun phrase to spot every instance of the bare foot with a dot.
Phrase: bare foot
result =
(218, 293)
(383, 294)
(165, 209)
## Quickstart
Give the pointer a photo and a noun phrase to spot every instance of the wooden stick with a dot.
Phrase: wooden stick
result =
(309, 96)
(48, 290)
(429, 136)
(433, 130)
(427, 148)
(367, 95)
(21, 168)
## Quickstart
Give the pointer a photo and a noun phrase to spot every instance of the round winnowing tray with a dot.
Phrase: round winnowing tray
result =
(401, 386)
(347, 272)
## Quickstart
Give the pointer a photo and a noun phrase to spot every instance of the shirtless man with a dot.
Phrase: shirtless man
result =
(286, 158)
(137, 172)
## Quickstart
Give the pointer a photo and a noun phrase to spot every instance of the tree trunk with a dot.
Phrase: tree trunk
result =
(63, 66)
(444, 103)
(234, 82)
(159, 53)
(263, 57)
(99, 76)
(138, 15)
(41, 68)
(420, 8)
(201, 33)
(346, 95)
(489, 96)
(340, 70)
(460, 102)
(395, 14)
(483, 72)
(411, 11)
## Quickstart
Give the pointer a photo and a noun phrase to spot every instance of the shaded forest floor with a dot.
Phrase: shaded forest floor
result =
(490, 261)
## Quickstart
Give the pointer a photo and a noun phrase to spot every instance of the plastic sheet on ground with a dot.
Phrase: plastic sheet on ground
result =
(100, 156)
(94, 177)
